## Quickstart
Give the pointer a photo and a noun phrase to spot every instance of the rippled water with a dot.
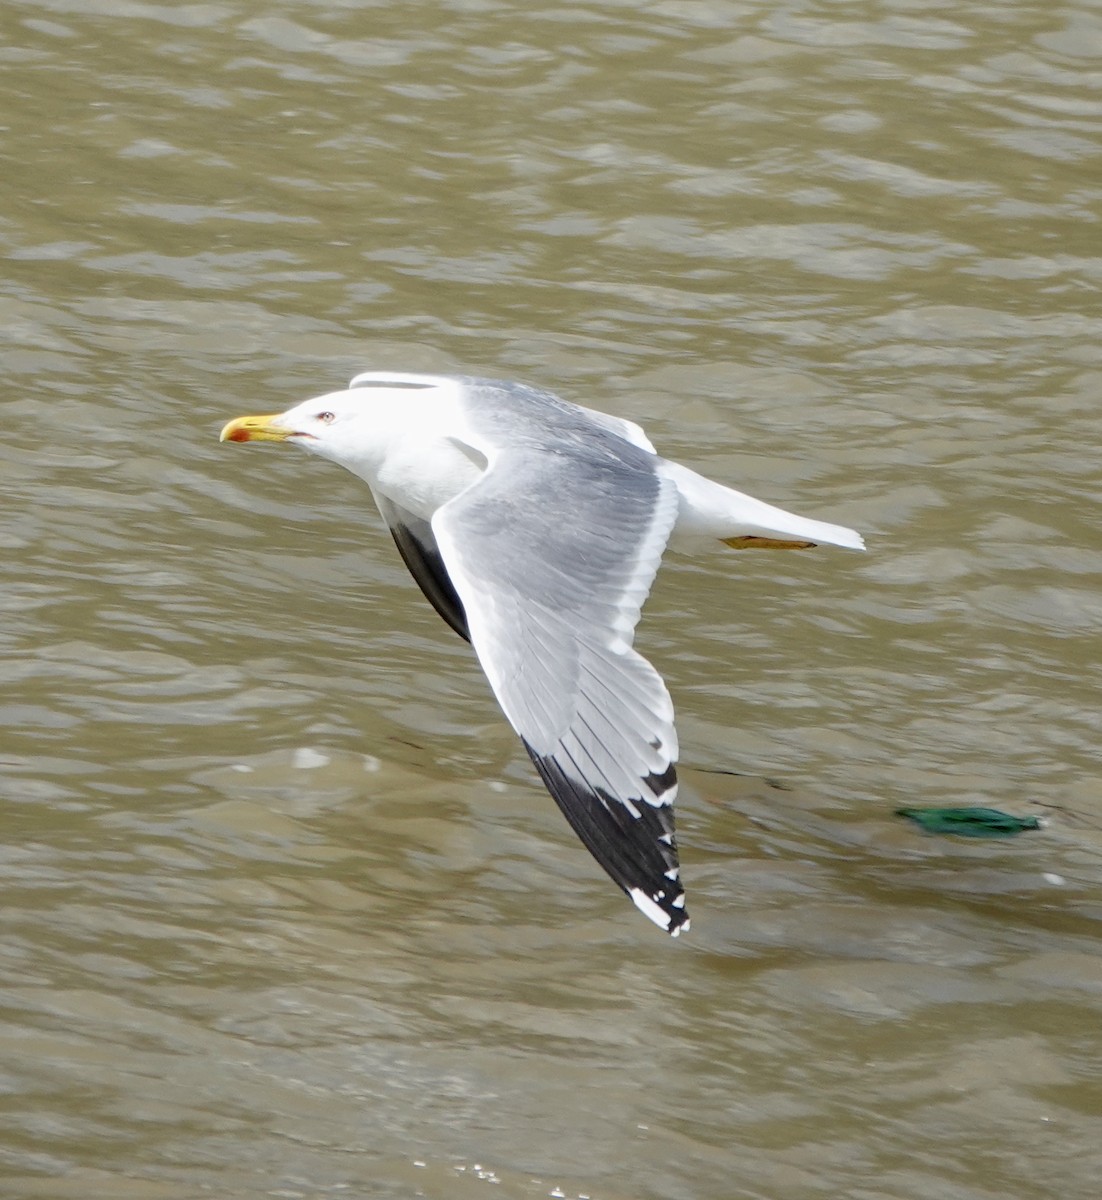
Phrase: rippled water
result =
(285, 911)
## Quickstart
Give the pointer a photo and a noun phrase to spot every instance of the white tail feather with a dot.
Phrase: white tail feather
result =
(710, 510)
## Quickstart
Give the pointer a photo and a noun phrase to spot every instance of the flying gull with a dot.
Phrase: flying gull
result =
(535, 527)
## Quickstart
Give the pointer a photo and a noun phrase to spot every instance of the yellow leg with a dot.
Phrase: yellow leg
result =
(764, 543)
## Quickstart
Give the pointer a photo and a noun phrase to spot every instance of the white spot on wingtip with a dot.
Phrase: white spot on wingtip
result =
(1053, 878)
(648, 908)
(646, 905)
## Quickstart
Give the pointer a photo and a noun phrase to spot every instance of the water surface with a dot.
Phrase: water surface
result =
(285, 911)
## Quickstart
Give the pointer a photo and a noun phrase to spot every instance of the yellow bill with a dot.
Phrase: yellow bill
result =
(255, 429)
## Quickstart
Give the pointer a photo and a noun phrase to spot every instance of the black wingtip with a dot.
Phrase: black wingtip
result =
(636, 848)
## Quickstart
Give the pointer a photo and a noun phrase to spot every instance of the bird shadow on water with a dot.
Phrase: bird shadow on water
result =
(777, 866)
(769, 866)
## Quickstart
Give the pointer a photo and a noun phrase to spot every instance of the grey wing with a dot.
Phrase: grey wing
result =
(628, 430)
(417, 545)
(552, 554)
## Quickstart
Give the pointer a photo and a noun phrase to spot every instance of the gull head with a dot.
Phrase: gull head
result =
(402, 434)
(317, 423)
(360, 426)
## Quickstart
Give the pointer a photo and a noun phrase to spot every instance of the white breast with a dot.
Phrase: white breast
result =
(422, 474)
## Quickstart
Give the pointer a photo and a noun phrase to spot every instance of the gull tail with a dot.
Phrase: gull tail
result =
(710, 510)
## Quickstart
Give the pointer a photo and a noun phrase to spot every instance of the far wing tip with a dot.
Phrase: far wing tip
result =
(669, 915)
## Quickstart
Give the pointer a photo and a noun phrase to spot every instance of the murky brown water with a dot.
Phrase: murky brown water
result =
(285, 912)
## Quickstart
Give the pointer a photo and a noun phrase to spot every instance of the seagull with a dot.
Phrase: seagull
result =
(535, 528)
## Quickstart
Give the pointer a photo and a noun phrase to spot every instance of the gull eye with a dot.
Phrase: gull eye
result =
(326, 418)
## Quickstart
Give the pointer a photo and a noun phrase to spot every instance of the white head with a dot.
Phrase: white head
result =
(360, 426)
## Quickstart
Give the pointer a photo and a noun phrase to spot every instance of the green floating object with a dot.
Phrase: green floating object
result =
(969, 822)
